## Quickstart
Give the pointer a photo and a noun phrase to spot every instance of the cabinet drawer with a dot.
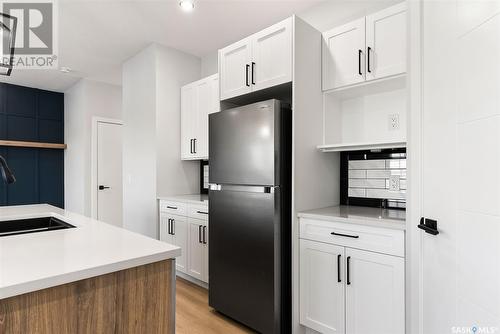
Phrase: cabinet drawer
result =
(375, 239)
(176, 208)
(198, 212)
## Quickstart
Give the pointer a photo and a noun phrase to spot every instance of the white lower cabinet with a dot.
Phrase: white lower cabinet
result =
(375, 297)
(189, 230)
(198, 249)
(348, 290)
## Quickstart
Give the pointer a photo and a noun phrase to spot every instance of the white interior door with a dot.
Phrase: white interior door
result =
(375, 293)
(386, 42)
(461, 167)
(322, 287)
(109, 173)
(344, 55)
(272, 56)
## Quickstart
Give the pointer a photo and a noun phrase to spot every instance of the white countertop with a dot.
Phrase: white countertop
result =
(194, 199)
(395, 219)
(34, 261)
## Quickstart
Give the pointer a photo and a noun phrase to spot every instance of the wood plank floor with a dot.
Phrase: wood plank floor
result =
(194, 316)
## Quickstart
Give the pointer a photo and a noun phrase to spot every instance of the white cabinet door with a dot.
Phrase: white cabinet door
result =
(203, 105)
(375, 291)
(234, 69)
(214, 97)
(205, 252)
(179, 231)
(272, 56)
(386, 42)
(188, 119)
(344, 55)
(197, 249)
(164, 228)
(322, 287)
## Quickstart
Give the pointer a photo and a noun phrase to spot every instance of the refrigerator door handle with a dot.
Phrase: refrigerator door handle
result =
(243, 188)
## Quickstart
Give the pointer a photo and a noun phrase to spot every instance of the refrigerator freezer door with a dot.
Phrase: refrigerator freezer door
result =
(243, 257)
(243, 144)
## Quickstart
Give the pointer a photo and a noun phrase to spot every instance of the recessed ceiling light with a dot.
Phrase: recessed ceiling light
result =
(65, 69)
(187, 5)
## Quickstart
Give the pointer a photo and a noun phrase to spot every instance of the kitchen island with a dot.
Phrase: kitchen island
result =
(94, 278)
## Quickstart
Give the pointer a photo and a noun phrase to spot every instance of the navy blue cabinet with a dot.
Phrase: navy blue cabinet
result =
(28, 114)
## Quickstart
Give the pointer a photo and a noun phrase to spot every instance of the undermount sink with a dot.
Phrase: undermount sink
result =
(32, 225)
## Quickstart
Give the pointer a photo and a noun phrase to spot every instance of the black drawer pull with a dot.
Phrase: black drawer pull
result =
(204, 235)
(360, 53)
(345, 235)
(338, 268)
(202, 212)
(199, 234)
(172, 207)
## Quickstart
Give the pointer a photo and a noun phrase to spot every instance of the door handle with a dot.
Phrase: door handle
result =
(360, 53)
(428, 225)
(199, 234)
(204, 235)
(246, 74)
(338, 268)
(348, 270)
(101, 187)
(253, 73)
(368, 51)
(345, 235)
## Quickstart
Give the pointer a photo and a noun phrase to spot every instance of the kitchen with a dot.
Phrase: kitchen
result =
(302, 178)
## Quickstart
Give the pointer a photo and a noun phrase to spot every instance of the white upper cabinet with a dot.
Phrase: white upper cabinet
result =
(344, 55)
(234, 69)
(198, 100)
(369, 48)
(272, 56)
(386, 42)
(375, 293)
(260, 61)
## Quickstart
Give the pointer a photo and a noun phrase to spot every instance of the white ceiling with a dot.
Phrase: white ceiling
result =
(96, 37)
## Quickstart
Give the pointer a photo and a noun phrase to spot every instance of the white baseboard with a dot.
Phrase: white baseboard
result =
(192, 280)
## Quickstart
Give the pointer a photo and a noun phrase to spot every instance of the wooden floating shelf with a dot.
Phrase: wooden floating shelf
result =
(32, 144)
(360, 146)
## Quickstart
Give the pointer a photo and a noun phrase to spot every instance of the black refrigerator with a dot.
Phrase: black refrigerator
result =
(250, 215)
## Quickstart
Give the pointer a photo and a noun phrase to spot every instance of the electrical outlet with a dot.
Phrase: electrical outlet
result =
(394, 183)
(393, 122)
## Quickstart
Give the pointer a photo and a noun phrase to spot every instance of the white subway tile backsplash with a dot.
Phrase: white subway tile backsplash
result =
(385, 174)
(367, 164)
(357, 174)
(395, 164)
(402, 184)
(356, 192)
(384, 193)
(367, 183)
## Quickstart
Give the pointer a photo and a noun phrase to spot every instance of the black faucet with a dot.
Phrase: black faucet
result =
(7, 175)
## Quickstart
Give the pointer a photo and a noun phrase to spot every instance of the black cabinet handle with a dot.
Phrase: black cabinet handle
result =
(246, 75)
(345, 235)
(428, 225)
(368, 51)
(338, 268)
(101, 187)
(172, 207)
(348, 270)
(360, 53)
(168, 226)
(173, 226)
(202, 212)
(204, 235)
(191, 146)
(199, 234)
(194, 145)
(253, 73)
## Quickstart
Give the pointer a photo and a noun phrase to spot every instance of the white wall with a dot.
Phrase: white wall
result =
(83, 101)
(209, 64)
(151, 138)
